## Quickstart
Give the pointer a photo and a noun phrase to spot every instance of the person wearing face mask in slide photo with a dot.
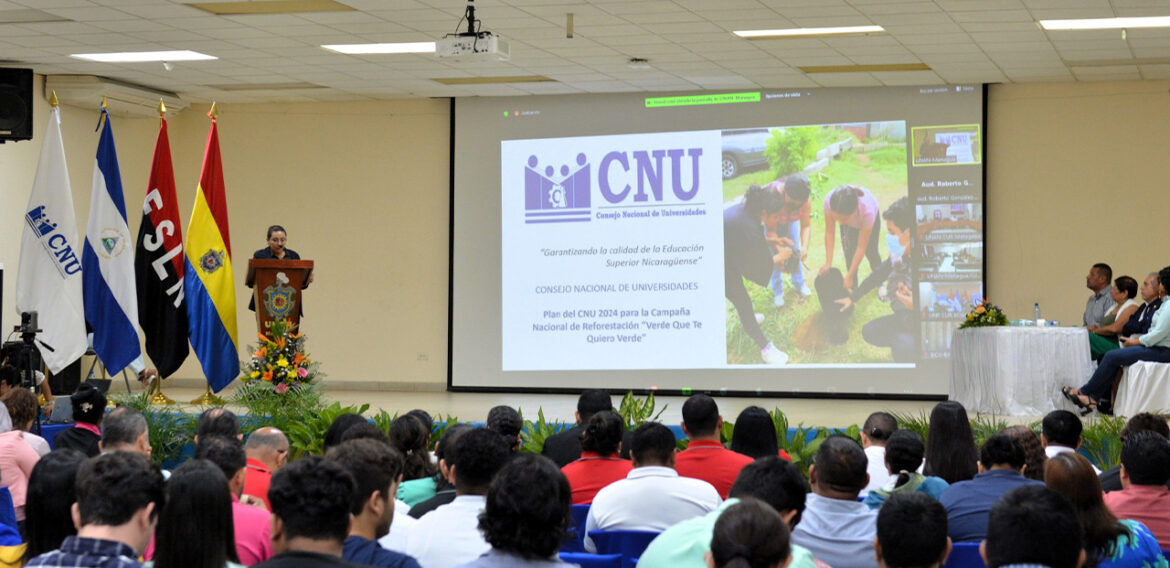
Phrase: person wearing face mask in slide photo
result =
(897, 330)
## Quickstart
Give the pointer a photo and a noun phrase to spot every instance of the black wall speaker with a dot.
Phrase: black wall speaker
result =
(16, 104)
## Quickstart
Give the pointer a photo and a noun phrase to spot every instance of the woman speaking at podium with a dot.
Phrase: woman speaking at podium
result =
(275, 250)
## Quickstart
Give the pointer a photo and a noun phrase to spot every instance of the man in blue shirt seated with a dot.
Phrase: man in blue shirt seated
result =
(1033, 526)
(1001, 463)
(377, 469)
(836, 527)
(119, 495)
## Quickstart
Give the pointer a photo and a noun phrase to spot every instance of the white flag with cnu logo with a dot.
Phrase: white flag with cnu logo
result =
(111, 303)
(49, 278)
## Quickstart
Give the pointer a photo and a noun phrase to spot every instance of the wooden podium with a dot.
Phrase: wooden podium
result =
(276, 288)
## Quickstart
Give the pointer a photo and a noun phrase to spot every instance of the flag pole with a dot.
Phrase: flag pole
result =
(208, 398)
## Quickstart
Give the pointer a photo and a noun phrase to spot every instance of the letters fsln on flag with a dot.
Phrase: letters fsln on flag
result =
(159, 265)
(211, 293)
(111, 304)
(49, 275)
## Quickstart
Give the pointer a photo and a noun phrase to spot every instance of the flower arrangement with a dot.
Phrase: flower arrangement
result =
(985, 315)
(280, 361)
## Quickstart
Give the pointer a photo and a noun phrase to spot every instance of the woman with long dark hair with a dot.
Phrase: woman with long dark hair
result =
(1109, 542)
(950, 444)
(749, 253)
(600, 463)
(49, 502)
(195, 528)
(755, 434)
(749, 534)
(410, 435)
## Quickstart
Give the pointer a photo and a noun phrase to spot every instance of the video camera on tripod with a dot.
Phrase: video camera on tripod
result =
(23, 355)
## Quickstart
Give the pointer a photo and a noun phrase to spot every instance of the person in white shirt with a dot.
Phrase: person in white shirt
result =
(1061, 432)
(874, 433)
(449, 535)
(652, 497)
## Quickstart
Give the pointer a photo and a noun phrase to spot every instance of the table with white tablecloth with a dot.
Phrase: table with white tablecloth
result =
(1017, 371)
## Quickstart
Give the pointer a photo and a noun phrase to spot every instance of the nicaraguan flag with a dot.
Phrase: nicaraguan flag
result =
(49, 277)
(211, 292)
(159, 265)
(111, 304)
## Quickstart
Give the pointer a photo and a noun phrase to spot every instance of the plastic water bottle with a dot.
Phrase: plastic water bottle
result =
(1036, 313)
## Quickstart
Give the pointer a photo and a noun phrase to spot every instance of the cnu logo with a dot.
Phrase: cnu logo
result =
(552, 198)
(649, 173)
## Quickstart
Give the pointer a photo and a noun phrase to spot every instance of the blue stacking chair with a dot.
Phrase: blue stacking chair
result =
(7, 509)
(576, 541)
(964, 555)
(586, 560)
(630, 544)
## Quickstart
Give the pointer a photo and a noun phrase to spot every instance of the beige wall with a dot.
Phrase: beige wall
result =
(1075, 173)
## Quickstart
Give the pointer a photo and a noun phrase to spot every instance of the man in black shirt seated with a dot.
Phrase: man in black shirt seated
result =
(311, 501)
(565, 447)
(1139, 323)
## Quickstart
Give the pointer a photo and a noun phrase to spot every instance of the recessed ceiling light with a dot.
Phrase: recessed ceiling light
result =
(1107, 23)
(805, 32)
(380, 48)
(270, 7)
(141, 56)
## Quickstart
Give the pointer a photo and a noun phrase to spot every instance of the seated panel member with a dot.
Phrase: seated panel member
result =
(1152, 295)
(1153, 346)
(1103, 337)
(1098, 280)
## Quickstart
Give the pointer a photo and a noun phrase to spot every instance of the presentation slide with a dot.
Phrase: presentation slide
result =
(791, 242)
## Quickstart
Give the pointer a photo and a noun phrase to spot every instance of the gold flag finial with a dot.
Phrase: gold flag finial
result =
(162, 109)
(104, 105)
(213, 113)
(53, 102)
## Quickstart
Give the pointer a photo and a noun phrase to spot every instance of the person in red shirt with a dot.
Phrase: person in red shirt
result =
(600, 463)
(267, 450)
(705, 457)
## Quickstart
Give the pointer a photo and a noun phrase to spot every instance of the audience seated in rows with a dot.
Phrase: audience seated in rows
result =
(1111, 478)
(836, 527)
(267, 452)
(311, 500)
(1061, 432)
(376, 469)
(903, 455)
(1032, 525)
(755, 435)
(749, 535)
(119, 496)
(771, 480)
(950, 446)
(195, 526)
(445, 451)
(448, 536)
(705, 457)
(565, 446)
(968, 502)
(252, 528)
(599, 464)
(525, 516)
(1145, 470)
(1109, 542)
(874, 432)
(337, 429)
(911, 532)
(217, 422)
(124, 430)
(653, 496)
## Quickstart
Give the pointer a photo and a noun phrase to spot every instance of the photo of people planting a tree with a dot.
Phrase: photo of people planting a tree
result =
(817, 228)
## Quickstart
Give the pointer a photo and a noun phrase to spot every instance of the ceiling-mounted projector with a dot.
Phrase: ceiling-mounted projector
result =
(475, 42)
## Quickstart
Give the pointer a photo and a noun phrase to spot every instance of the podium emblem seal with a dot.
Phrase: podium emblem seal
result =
(279, 300)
